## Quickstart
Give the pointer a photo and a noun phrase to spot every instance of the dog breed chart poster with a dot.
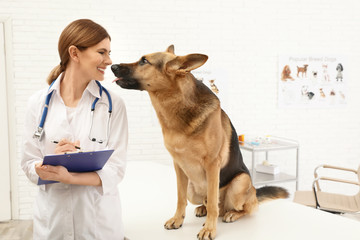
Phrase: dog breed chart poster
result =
(216, 81)
(312, 81)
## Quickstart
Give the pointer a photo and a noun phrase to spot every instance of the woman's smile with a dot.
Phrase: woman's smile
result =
(102, 70)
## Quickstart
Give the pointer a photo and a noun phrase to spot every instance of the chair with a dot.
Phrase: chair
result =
(327, 201)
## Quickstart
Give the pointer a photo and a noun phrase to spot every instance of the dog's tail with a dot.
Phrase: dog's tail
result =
(271, 192)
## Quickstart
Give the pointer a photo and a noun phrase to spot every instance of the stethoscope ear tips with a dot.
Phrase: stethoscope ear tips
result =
(93, 139)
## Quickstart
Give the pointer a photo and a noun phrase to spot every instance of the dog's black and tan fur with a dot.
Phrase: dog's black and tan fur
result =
(200, 137)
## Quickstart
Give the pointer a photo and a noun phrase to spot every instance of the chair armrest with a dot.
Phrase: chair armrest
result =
(333, 167)
(316, 175)
(337, 180)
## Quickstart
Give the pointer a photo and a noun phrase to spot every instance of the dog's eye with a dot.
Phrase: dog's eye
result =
(143, 61)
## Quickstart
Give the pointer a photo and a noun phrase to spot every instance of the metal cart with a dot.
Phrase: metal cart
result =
(267, 145)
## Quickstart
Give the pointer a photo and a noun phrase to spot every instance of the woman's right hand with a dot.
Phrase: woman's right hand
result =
(65, 146)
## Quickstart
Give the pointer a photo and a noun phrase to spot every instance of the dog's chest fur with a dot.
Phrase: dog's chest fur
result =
(188, 155)
(191, 125)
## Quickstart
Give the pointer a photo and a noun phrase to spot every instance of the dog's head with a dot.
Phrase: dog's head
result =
(156, 71)
(286, 70)
(339, 68)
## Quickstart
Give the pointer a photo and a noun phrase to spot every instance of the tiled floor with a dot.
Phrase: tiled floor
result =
(16, 230)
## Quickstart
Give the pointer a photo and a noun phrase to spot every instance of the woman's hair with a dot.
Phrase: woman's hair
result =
(82, 33)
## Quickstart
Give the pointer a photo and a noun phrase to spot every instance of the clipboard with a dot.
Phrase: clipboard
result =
(77, 162)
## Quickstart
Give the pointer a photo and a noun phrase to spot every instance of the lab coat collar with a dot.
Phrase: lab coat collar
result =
(92, 87)
(56, 84)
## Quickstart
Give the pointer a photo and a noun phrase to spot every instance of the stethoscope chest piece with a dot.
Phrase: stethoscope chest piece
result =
(39, 133)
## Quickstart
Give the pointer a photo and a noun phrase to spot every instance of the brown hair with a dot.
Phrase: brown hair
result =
(82, 33)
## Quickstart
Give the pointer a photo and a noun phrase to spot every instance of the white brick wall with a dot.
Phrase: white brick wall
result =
(243, 39)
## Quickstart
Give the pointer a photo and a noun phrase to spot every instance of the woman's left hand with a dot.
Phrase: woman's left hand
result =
(53, 173)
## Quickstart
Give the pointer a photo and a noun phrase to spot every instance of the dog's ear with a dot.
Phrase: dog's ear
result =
(184, 64)
(171, 49)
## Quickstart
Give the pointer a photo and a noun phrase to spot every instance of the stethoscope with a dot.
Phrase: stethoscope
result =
(40, 129)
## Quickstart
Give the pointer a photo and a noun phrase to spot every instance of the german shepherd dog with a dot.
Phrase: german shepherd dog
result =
(209, 168)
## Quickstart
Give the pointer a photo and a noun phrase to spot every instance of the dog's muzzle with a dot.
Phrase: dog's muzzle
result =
(123, 73)
(119, 70)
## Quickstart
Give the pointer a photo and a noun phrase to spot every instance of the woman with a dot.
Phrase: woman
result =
(81, 205)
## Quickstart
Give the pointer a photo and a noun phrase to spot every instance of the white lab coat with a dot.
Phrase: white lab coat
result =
(63, 211)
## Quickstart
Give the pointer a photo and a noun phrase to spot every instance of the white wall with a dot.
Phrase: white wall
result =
(243, 39)
(5, 210)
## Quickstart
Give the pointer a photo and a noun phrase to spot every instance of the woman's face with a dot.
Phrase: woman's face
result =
(95, 59)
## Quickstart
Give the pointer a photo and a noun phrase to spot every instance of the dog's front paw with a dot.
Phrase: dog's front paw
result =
(207, 234)
(232, 216)
(200, 211)
(174, 223)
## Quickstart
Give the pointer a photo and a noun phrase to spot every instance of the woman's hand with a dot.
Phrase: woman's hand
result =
(53, 173)
(61, 174)
(66, 146)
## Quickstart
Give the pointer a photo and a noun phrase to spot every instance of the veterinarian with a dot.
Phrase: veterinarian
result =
(82, 205)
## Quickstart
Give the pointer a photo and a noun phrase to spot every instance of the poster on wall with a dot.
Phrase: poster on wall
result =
(312, 81)
(216, 81)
